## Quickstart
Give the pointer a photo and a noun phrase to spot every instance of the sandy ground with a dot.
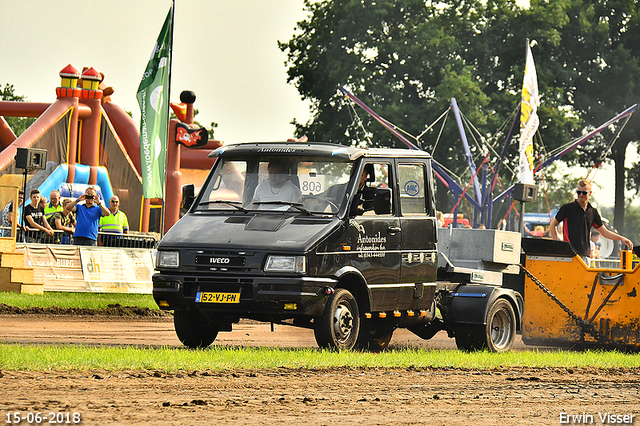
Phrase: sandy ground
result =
(349, 396)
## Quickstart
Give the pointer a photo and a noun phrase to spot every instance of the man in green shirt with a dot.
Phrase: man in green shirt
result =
(116, 223)
(53, 205)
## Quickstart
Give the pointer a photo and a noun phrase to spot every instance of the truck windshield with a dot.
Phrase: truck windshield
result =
(313, 185)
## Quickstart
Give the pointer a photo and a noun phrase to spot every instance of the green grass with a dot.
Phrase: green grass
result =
(82, 358)
(77, 300)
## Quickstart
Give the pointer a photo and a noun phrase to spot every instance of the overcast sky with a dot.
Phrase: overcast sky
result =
(226, 51)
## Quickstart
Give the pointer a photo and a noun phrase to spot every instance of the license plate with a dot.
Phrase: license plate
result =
(218, 298)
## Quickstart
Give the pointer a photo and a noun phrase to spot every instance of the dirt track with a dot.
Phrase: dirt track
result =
(351, 396)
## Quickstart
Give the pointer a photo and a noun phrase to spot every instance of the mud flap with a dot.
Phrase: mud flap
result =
(471, 304)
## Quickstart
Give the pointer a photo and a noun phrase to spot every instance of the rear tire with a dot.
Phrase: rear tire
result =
(374, 337)
(500, 331)
(194, 330)
(496, 336)
(339, 325)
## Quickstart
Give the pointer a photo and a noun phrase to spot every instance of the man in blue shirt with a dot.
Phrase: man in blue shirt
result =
(87, 217)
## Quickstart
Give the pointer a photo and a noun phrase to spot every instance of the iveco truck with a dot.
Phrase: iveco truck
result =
(353, 251)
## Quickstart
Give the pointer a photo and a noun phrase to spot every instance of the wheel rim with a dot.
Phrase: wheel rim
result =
(501, 329)
(342, 322)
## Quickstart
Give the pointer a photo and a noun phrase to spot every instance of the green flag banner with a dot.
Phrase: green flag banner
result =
(153, 98)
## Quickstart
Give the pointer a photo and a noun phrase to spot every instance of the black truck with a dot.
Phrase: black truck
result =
(334, 238)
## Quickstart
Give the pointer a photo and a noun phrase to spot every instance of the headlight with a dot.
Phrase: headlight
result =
(285, 264)
(168, 259)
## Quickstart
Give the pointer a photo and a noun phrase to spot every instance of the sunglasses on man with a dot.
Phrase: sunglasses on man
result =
(582, 192)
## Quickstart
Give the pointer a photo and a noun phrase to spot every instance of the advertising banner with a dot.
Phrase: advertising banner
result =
(59, 267)
(117, 270)
(100, 270)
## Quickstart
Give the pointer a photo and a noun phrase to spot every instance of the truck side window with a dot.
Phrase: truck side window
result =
(412, 189)
(369, 197)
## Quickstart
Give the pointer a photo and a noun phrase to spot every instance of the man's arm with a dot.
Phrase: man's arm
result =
(71, 207)
(61, 227)
(553, 232)
(35, 225)
(616, 237)
(105, 210)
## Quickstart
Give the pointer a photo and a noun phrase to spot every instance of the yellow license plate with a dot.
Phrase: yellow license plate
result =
(218, 298)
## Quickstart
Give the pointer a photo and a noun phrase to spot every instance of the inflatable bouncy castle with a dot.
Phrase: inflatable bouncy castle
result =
(90, 140)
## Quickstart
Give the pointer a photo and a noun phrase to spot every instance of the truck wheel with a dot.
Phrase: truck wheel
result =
(499, 333)
(194, 330)
(339, 325)
(375, 338)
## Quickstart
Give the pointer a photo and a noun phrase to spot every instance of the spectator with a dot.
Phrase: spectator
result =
(578, 218)
(6, 217)
(116, 223)
(34, 218)
(63, 221)
(595, 246)
(538, 231)
(53, 206)
(88, 216)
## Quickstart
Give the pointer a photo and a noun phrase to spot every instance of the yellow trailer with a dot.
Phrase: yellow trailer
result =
(568, 303)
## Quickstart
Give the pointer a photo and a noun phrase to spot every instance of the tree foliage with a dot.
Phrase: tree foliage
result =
(17, 124)
(407, 58)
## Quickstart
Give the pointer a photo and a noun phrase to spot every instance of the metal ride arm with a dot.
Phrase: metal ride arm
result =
(570, 147)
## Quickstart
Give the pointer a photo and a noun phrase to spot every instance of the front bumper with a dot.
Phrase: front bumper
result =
(259, 295)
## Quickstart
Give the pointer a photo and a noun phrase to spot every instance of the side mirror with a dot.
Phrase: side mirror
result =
(188, 196)
(382, 201)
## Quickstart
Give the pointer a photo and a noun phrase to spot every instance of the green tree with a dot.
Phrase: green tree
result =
(599, 45)
(17, 124)
(407, 59)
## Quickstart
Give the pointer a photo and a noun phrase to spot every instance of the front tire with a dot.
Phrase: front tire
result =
(194, 330)
(339, 325)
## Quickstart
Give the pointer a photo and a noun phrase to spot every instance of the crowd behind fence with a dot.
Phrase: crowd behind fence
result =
(130, 240)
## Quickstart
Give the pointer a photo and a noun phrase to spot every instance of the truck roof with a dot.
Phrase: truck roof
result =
(320, 149)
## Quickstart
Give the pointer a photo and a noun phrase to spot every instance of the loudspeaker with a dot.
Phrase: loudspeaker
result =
(31, 158)
(525, 192)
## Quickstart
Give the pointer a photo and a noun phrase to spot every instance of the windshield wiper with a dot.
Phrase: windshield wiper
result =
(236, 204)
(298, 206)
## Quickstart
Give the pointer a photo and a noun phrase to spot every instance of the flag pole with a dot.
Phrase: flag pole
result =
(164, 192)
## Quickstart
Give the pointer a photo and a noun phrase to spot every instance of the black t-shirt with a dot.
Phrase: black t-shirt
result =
(37, 214)
(576, 225)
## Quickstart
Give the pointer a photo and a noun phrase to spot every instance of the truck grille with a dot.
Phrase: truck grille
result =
(221, 262)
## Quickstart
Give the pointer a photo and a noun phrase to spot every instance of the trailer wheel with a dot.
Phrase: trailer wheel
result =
(375, 338)
(339, 325)
(500, 331)
(194, 330)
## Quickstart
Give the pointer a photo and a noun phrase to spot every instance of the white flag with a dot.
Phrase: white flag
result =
(528, 119)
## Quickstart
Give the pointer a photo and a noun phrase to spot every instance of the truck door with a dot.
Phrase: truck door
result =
(376, 238)
(418, 223)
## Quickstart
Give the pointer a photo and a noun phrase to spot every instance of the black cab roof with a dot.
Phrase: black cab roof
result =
(320, 149)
